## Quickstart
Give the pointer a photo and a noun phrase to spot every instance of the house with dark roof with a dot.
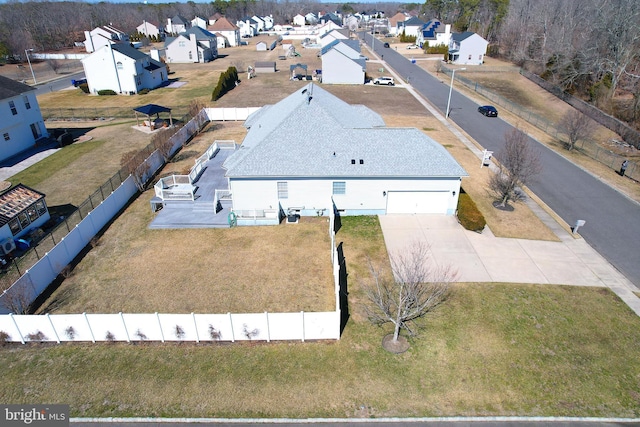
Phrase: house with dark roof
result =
(467, 48)
(312, 151)
(410, 27)
(342, 62)
(123, 69)
(178, 24)
(194, 45)
(21, 124)
(434, 33)
(22, 209)
(227, 30)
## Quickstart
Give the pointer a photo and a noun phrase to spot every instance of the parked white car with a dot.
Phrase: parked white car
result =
(389, 81)
(413, 46)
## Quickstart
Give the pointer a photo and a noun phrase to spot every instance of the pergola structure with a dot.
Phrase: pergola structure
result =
(151, 109)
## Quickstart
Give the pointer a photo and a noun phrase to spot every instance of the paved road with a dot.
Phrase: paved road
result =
(57, 84)
(612, 220)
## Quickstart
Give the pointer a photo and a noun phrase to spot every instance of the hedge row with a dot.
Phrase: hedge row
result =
(468, 214)
(227, 81)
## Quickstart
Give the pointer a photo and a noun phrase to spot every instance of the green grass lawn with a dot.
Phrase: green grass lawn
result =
(490, 349)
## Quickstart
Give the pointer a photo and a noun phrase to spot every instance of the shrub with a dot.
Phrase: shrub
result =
(144, 91)
(441, 48)
(469, 215)
(106, 92)
(227, 81)
(84, 87)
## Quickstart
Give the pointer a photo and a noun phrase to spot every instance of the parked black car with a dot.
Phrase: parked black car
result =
(386, 45)
(488, 110)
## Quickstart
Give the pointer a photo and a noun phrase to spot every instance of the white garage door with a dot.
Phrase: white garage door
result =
(413, 202)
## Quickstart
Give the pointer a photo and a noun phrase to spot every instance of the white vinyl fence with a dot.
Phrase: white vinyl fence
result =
(229, 114)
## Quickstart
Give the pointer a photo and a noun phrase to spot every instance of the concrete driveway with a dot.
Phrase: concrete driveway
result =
(486, 258)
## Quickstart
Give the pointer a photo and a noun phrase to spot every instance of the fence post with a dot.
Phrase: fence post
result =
(93, 338)
(233, 335)
(266, 315)
(160, 325)
(193, 316)
(17, 328)
(125, 327)
(54, 328)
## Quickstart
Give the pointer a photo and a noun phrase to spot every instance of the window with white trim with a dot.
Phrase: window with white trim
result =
(27, 104)
(339, 187)
(6, 136)
(283, 190)
(119, 65)
(12, 105)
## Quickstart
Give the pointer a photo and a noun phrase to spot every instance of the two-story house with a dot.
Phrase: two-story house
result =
(103, 36)
(467, 48)
(226, 29)
(123, 69)
(21, 124)
(194, 45)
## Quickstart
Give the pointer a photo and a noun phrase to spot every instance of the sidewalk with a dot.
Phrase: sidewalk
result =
(486, 258)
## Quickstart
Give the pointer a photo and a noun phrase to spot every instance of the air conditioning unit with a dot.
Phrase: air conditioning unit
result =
(7, 246)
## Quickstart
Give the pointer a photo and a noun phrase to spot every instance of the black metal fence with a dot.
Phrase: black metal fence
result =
(101, 113)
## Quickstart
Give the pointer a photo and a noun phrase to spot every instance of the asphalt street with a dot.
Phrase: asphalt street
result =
(57, 84)
(612, 224)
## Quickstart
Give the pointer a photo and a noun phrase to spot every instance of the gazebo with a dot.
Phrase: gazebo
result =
(151, 109)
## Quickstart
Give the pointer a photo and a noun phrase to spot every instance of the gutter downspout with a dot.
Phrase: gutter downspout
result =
(115, 67)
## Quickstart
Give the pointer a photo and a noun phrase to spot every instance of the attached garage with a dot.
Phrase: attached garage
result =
(418, 202)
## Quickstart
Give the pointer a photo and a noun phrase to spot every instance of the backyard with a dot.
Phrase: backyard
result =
(490, 349)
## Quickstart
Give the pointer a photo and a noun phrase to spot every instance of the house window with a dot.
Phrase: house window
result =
(14, 225)
(6, 136)
(283, 190)
(480, 58)
(32, 212)
(190, 56)
(24, 220)
(138, 81)
(119, 65)
(35, 130)
(12, 105)
(469, 57)
(41, 207)
(181, 44)
(339, 187)
(27, 104)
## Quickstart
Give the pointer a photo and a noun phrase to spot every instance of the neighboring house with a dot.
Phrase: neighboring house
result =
(330, 17)
(434, 33)
(227, 29)
(299, 20)
(150, 29)
(213, 18)
(247, 26)
(327, 27)
(312, 151)
(194, 45)
(467, 48)
(123, 69)
(311, 18)
(260, 23)
(21, 124)
(410, 27)
(328, 38)
(22, 210)
(342, 63)
(177, 25)
(395, 20)
(268, 22)
(199, 22)
(103, 36)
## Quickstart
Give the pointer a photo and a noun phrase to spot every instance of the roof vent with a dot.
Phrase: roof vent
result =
(353, 161)
(361, 162)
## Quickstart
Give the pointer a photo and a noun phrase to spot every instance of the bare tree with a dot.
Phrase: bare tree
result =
(162, 142)
(414, 290)
(135, 164)
(518, 163)
(18, 298)
(576, 126)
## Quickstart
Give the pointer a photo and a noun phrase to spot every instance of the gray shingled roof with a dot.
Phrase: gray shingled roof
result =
(320, 138)
(11, 88)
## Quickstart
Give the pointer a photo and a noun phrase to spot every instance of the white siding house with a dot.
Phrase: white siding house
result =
(299, 20)
(342, 63)
(313, 150)
(103, 36)
(326, 38)
(434, 33)
(21, 124)
(228, 30)
(177, 25)
(410, 27)
(194, 45)
(467, 48)
(149, 29)
(122, 69)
